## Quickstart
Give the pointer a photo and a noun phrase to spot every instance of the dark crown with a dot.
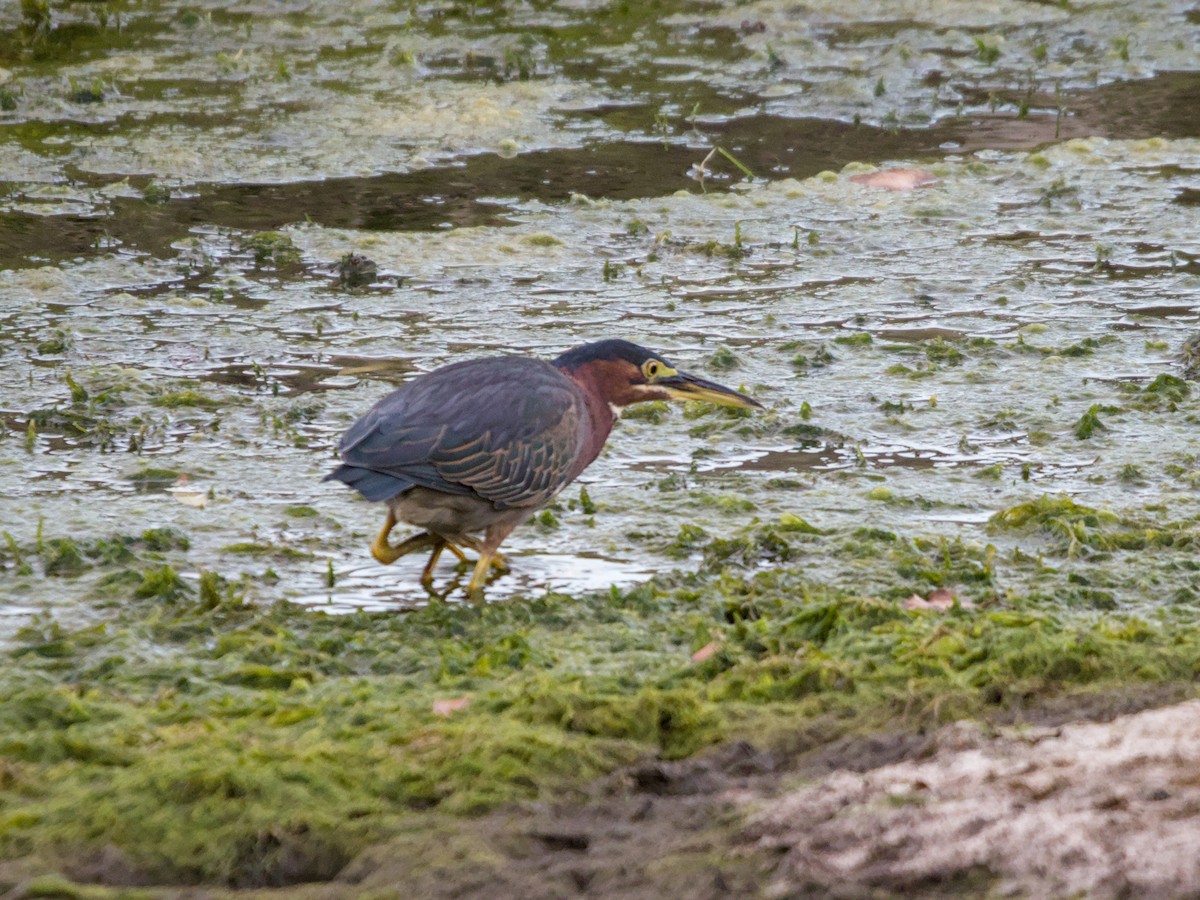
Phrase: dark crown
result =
(607, 350)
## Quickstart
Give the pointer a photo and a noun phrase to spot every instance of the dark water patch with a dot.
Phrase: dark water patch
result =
(296, 377)
(987, 456)
(456, 196)
(917, 335)
(856, 33)
(475, 191)
(1167, 105)
(1163, 310)
(828, 457)
(78, 41)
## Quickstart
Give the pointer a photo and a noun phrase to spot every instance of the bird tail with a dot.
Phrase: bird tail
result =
(374, 486)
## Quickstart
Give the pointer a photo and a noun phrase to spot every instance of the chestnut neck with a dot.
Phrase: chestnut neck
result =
(601, 414)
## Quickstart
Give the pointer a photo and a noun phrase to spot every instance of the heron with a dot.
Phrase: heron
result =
(469, 451)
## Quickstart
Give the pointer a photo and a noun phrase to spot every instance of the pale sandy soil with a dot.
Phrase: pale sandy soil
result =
(1100, 810)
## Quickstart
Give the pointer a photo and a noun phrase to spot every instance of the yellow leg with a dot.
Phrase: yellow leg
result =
(427, 572)
(387, 554)
(479, 576)
(488, 557)
(442, 544)
(498, 559)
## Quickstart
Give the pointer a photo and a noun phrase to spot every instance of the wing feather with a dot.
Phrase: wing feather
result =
(508, 429)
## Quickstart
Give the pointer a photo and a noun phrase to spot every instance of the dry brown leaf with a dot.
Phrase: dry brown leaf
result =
(895, 179)
(706, 652)
(186, 494)
(941, 600)
(450, 706)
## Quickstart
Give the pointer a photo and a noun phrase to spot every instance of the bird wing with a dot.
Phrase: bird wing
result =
(507, 429)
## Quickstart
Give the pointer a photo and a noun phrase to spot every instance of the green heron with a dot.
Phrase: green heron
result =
(480, 446)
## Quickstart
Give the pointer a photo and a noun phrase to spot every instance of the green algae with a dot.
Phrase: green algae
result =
(154, 478)
(1075, 526)
(253, 548)
(187, 397)
(228, 743)
(162, 583)
(1089, 423)
(272, 247)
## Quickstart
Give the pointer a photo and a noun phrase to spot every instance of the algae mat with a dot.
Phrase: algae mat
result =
(979, 390)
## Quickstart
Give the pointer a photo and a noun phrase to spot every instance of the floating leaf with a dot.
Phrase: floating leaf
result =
(895, 179)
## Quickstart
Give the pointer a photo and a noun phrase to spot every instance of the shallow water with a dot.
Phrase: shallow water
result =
(520, 177)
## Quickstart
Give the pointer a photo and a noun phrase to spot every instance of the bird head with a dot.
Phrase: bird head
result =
(623, 373)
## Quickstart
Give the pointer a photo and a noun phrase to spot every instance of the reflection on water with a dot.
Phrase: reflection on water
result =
(372, 588)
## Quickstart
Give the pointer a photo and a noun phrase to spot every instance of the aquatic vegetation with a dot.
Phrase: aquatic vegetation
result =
(165, 713)
(1075, 527)
(181, 734)
(272, 247)
(186, 397)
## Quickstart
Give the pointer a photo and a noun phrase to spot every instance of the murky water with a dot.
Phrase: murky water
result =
(521, 178)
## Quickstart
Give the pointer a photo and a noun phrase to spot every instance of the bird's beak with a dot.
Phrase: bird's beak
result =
(682, 386)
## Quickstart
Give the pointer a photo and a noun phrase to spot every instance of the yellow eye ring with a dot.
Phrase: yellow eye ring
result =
(656, 368)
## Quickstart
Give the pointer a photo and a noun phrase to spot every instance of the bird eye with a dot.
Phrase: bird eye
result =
(652, 368)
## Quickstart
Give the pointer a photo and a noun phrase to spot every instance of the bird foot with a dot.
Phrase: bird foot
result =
(387, 554)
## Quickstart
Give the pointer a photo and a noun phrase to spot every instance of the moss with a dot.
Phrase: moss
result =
(817, 358)
(284, 741)
(940, 352)
(760, 546)
(716, 248)
(156, 193)
(689, 538)
(58, 343)
(678, 722)
(1165, 391)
